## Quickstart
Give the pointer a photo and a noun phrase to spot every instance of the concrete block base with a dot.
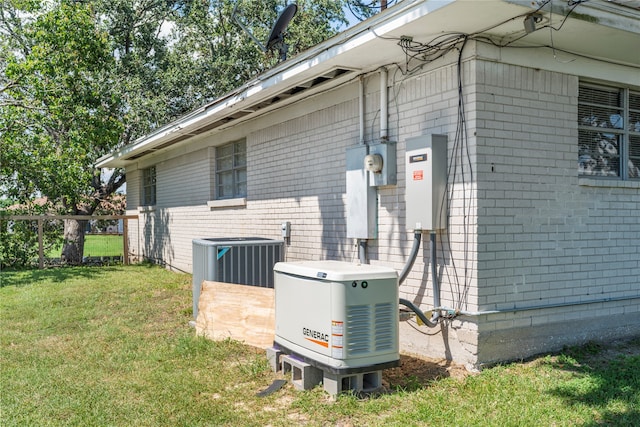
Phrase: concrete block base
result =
(273, 357)
(303, 375)
(366, 382)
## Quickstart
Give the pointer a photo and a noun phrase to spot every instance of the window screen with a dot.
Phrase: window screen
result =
(608, 132)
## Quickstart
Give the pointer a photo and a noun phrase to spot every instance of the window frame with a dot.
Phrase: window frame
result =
(235, 168)
(149, 182)
(624, 135)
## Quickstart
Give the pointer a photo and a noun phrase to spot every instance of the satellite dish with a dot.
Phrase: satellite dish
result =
(276, 37)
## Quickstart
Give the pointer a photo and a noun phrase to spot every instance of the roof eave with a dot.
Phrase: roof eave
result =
(314, 62)
(348, 47)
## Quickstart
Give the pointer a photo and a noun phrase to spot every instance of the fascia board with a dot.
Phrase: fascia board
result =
(607, 13)
(280, 78)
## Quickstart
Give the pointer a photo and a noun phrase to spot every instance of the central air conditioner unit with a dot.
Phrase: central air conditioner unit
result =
(337, 316)
(241, 260)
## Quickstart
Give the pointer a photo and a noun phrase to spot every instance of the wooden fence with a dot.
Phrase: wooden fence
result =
(42, 218)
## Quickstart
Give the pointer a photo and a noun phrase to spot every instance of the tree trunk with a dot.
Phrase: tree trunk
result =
(73, 246)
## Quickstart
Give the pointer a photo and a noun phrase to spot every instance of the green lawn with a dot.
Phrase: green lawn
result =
(96, 245)
(103, 245)
(111, 346)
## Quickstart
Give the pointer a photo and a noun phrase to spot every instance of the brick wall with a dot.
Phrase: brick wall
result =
(544, 236)
(523, 230)
(527, 138)
(296, 172)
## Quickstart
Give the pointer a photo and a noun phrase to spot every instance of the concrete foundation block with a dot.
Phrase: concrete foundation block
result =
(273, 357)
(366, 382)
(303, 375)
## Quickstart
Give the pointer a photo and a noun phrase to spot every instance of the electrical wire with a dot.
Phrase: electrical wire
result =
(356, 5)
(464, 138)
(460, 150)
(575, 4)
(436, 48)
(460, 164)
(552, 28)
(460, 168)
(423, 54)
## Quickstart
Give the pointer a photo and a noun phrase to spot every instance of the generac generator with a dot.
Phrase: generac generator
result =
(337, 316)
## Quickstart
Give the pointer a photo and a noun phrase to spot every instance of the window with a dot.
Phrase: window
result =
(608, 132)
(149, 186)
(231, 170)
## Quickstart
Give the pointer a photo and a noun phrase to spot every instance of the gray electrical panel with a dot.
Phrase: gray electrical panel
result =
(361, 203)
(426, 182)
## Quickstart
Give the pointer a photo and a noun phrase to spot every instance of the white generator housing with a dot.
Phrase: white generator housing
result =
(338, 316)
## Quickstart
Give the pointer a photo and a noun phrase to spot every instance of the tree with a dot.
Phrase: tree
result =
(58, 112)
(79, 79)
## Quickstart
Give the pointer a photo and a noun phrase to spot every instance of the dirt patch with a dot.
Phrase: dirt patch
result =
(416, 372)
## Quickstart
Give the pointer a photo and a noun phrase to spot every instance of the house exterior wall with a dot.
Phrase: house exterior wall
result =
(523, 231)
(296, 166)
(546, 237)
(176, 186)
(134, 184)
(428, 103)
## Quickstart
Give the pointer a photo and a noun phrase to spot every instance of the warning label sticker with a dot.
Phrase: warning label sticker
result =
(337, 339)
(418, 175)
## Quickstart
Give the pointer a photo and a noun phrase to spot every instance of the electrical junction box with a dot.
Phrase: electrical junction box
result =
(426, 182)
(337, 316)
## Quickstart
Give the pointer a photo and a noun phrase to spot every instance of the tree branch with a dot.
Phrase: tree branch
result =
(12, 25)
(15, 103)
(9, 85)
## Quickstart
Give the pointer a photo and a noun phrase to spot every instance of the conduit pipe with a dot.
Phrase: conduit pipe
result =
(417, 238)
(361, 108)
(430, 323)
(362, 251)
(362, 243)
(434, 275)
(452, 312)
(384, 107)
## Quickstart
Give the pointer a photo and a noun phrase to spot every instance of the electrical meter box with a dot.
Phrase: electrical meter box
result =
(426, 182)
(338, 316)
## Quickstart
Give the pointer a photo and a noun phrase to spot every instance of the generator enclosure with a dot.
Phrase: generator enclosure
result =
(338, 316)
(426, 182)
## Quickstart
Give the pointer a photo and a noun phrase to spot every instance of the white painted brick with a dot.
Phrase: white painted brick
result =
(527, 233)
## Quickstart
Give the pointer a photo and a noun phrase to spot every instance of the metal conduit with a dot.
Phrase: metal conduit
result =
(417, 238)
(455, 312)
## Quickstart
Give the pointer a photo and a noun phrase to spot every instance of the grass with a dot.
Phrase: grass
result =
(96, 245)
(111, 346)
